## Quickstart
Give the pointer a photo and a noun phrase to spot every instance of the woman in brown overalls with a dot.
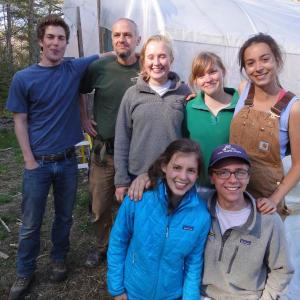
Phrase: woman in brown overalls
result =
(266, 123)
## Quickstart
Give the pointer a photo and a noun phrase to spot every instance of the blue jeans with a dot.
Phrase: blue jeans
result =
(62, 175)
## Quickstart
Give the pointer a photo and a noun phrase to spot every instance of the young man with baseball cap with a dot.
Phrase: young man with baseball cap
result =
(246, 255)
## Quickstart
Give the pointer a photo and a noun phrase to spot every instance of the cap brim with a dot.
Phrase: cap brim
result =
(229, 156)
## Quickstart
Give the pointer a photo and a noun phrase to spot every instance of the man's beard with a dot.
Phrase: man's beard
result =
(124, 55)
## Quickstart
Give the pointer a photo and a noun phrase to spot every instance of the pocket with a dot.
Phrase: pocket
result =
(36, 168)
(264, 179)
(232, 259)
(239, 128)
(267, 144)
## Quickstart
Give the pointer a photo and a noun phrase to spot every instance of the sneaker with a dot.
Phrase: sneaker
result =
(20, 288)
(58, 271)
(94, 259)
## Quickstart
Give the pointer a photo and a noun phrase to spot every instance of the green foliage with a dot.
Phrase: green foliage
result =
(8, 218)
(18, 20)
(3, 170)
(8, 139)
(83, 199)
(5, 198)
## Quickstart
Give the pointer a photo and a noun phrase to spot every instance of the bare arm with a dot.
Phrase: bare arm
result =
(21, 130)
(87, 124)
(293, 176)
(242, 86)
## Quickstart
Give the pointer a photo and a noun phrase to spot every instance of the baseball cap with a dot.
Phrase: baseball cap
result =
(228, 151)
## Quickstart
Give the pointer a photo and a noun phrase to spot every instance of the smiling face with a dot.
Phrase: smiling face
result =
(124, 40)
(231, 190)
(157, 62)
(260, 64)
(211, 82)
(181, 173)
(54, 45)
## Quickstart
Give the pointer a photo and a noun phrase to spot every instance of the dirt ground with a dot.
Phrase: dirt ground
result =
(82, 283)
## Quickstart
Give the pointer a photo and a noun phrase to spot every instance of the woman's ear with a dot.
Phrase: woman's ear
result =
(164, 168)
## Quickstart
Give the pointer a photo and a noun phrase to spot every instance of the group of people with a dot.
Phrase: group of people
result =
(187, 227)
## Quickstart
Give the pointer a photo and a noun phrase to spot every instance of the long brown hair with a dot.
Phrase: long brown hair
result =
(181, 145)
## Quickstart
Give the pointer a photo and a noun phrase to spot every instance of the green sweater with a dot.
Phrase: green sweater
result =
(110, 81)
(207, 130)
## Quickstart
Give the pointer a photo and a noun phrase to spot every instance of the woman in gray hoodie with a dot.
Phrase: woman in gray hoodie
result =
(150, 115)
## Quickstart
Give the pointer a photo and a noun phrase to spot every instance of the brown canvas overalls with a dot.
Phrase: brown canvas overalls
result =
(258, 133)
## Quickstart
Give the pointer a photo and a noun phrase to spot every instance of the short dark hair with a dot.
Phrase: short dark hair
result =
(130, 21)
(52, 20)
(181, 145)
(261, 38)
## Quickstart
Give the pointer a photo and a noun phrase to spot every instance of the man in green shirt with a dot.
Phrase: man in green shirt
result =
(110, 77)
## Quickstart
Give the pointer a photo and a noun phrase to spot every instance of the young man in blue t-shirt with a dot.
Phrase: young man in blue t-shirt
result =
(44, 102)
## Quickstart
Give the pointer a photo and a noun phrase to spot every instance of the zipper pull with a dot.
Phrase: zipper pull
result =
(167, 232)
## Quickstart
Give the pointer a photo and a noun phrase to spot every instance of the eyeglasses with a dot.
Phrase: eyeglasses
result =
(225, 173)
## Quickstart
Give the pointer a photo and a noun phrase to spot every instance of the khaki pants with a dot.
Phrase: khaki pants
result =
(102, 190)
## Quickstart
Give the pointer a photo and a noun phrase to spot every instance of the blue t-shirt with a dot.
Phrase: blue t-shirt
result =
(49, 96)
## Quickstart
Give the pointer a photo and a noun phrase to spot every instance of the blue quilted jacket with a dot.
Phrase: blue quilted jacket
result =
(155, 255)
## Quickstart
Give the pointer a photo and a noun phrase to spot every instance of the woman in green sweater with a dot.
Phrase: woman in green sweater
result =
(208, 116)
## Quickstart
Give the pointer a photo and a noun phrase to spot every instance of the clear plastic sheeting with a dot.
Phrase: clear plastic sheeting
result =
(220, 26)
(292, 230)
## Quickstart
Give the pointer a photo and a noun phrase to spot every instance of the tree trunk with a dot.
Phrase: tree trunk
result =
(32, 42)
(8, 36)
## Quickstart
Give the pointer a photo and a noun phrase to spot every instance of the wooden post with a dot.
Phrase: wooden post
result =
(100, 34)
(79, 33)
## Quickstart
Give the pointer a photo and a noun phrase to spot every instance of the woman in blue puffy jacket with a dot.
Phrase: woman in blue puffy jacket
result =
(156, 244)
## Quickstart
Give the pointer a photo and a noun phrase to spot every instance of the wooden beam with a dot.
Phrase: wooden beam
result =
(100, 35)
(79, 32)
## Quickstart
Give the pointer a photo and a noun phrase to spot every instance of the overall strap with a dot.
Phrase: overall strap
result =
(278, 107)
(250, 96)
(282, 103)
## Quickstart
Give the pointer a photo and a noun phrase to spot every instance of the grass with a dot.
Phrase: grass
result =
(8, 139)
(3, 234)
(82, 283)
(5, 198)
(8, 218)
(3, 168)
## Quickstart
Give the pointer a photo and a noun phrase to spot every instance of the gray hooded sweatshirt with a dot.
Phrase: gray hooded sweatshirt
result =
(147, 123)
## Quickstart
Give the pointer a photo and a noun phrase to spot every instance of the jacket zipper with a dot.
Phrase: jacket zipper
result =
(232, 259)
(224, 239)
(161, 252)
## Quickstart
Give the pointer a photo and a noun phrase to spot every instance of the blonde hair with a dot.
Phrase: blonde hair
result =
(203, 62)
(154, 38)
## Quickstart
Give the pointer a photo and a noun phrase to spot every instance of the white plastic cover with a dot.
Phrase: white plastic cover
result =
(292, 230)
(220, 26)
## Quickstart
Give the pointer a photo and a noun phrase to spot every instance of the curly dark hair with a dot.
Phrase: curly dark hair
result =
(52, 20)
